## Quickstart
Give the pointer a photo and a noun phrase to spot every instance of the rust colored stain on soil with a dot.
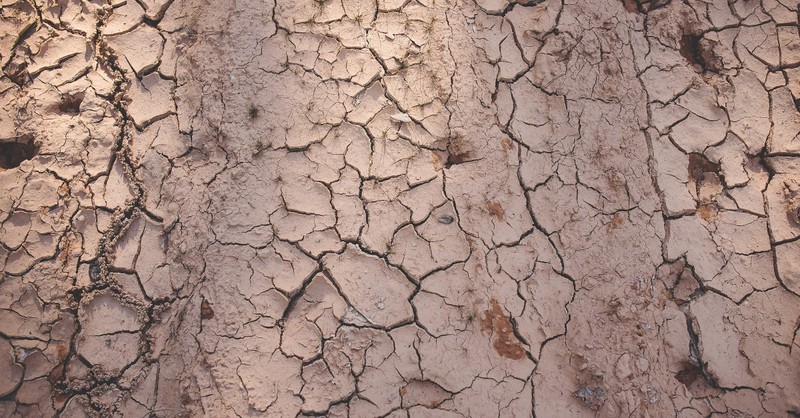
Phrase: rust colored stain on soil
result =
(496, 210)
(497, 323)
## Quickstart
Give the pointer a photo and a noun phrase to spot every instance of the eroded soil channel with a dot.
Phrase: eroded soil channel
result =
(399, 208)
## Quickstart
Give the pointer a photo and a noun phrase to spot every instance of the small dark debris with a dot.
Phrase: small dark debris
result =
(94, 271)
(253, 112)
(445, 219)
(206, 312)
(14, 152)
(592, 397)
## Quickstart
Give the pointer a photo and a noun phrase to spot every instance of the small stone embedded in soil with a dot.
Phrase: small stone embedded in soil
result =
(445, 219)
(401, 117)
(592, 397)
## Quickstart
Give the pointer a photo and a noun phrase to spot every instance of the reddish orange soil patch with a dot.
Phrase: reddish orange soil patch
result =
(496, 209)
(707, 211)
(505, 342)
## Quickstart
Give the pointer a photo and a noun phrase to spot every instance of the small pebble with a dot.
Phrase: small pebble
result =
(445, 219)
(401, 117)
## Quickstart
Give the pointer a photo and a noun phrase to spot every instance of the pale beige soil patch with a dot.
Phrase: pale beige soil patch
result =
(399, 208)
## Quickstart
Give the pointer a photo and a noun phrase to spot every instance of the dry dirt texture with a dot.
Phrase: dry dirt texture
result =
(399, 208)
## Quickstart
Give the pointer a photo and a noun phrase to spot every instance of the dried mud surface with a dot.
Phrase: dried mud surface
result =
(401, 208)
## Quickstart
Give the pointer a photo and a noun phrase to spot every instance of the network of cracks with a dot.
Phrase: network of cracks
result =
(399, 208)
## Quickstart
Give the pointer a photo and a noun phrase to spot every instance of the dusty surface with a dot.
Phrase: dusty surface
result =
(401, 208)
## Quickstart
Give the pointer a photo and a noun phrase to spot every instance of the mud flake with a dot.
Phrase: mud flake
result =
(378, 291)
(12, 373)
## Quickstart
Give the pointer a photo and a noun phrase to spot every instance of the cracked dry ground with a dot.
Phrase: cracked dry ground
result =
(403, 208)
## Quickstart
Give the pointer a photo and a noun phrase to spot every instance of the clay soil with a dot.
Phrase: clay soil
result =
(399, 208)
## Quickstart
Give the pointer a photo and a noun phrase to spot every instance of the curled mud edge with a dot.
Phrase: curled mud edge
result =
(399, 208)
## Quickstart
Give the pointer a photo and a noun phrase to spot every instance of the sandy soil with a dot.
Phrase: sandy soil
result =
(402, 208)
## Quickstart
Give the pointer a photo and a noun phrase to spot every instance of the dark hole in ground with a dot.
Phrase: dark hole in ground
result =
(70, 104)
(699, 165)
(457, 151)
(13, 153)
(643, 6)
(457, 159)
(700, 53)
(689, 373)
(690, 49)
